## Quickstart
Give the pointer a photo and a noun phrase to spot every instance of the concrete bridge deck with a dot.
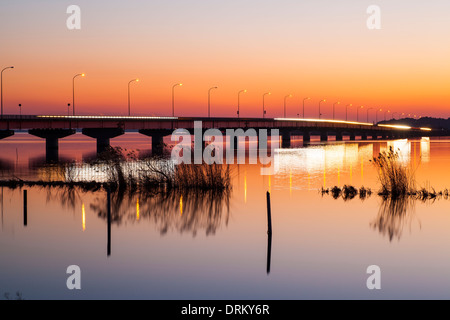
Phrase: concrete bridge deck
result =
(104, 128)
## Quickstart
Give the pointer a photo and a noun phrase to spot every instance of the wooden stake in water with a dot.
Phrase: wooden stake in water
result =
(25, 208)
(108, 205)
(269, 216)
(269, 233)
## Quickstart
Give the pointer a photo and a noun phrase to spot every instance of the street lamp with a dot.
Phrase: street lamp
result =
(346, 111)
(1, 87)
(357, 113)
(20, 110)
(334, 105)
(368, 109)
(376, 115)
(288, 96)
(68, 109)
(173, 97)
(129, 110)
(73, 90)
(239, 101)
(209, 101)
(388, 111)
(264, 109)
(324, 100)
(304, 106)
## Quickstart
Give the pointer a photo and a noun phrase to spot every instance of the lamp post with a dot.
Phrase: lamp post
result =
(1, 88)
(376, 115)
(368, 109)
(334, 105)
(357, 113)
(209, 101)
(20, 110)
(346, 111)
(173, 97)
(323, 100)
(264, 108)
(239, 101)
(73, 90)
(388, 111)
(129, 109)
(288, 96)
(68, 109)
(304, 106)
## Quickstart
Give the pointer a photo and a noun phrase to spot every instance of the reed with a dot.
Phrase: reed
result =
(397, 180)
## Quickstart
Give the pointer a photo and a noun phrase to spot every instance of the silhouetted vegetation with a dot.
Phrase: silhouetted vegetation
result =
(117, 169)
(348, 192)
(397, 180)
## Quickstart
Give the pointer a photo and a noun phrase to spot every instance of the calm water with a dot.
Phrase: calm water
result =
(191, 246)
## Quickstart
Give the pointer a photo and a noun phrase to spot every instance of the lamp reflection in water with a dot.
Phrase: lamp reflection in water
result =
(83, 217)
(138, 215)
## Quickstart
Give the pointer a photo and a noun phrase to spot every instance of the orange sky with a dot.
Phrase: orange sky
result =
(318, 49)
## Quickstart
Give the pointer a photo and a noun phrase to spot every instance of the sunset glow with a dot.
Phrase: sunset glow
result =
(312, 48)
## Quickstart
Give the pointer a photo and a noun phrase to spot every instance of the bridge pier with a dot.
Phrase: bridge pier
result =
(339, 136)
(157, 139)
(352, 136)
(103, 136)
(306, 137)
(363, 136)
(51, 137)
(285, 139)
(6, 133)
(323, 136)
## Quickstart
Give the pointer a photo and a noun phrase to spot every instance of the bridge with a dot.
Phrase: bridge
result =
(103, 128)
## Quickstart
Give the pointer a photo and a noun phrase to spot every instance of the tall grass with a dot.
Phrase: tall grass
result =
(396, 178)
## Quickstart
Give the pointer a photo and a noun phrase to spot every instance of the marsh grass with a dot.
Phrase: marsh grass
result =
(397, 179)
(119, 169)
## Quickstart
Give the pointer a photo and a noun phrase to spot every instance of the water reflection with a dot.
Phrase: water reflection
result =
(181, 211)
(393, 216)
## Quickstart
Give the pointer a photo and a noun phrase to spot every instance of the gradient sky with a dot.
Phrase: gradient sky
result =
(314, 48)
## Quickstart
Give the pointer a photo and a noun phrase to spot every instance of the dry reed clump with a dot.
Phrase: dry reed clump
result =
(396, 179)
(348, 192)
(124, 172)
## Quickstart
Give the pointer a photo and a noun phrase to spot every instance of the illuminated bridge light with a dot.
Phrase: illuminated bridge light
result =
(395, 126)
(109, 117)
(425, 129)
(325, 121)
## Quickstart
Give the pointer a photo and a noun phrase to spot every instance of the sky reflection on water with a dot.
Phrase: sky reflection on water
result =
(194, 246)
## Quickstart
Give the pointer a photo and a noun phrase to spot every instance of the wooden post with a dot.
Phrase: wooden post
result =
(25, 208)
(108, 200)
(269, 216)
(269, 233)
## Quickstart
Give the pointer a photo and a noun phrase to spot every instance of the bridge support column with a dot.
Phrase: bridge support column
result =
(339, 136)
(157, 139)
(363, 136)
(51, 137)
(6, 133)
(352, 137)
(285, 139)
(157, 144)
(306, 137)
(323, 136)
(103, 136)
